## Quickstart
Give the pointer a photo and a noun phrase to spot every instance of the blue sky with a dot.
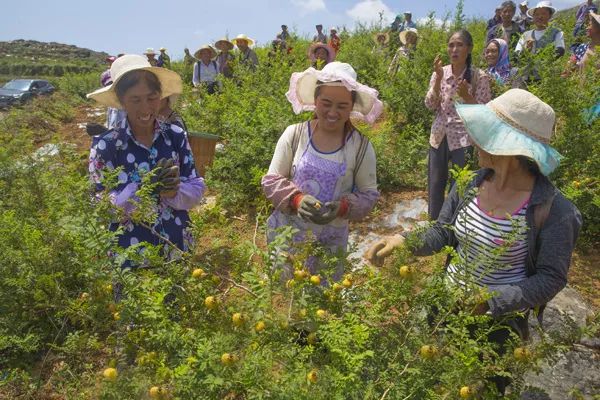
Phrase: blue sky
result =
(130, 26)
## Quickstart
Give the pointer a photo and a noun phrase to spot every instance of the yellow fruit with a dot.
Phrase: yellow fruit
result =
(347, 283)
(109, 288)
(428, 351)
(116, 316)
(321, 314)
(465, 392)
(210, 302)
(405, 271)
(576, 184)
(238, 319)
(312, 338)
(84, 296)
(284, 324)
(155, 392)
(302, 313)
(315, 279)
(110, 374)
(313, 376)
(198, 273)
(337, 287)
(260, 326)
(300, 274)
(228, 359)
(522, 353)
(215, 279)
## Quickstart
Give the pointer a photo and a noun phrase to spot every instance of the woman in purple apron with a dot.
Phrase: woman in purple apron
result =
(322, 174)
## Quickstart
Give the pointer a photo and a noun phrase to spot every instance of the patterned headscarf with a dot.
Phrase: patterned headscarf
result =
(501, 71)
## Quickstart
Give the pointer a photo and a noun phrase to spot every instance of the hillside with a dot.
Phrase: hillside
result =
(30, 58)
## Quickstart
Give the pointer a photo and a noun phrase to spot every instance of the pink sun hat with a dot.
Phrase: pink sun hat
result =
(301, 93)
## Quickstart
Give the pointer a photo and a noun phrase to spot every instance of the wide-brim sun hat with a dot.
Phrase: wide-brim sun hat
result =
(224, 44)
(405, 33)
(162, 49)
(206, 47)
(170, 81)
(241, 36)
(301, 93)
(542, 4)
(517, 123)
(315, 46)
(378, 34)
(149, 52)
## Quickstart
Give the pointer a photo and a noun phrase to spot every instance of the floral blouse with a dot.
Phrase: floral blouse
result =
(119, 148)
(447, 123)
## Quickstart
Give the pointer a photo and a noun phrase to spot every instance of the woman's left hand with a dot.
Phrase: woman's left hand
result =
(463, 89)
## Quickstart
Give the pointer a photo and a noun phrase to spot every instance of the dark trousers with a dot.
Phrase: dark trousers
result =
(437, 175)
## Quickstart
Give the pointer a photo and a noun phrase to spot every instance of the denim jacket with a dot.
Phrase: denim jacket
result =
(549, 253)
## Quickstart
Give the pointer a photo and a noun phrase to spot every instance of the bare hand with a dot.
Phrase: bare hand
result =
(529, 44)
(463, 89)
(438, 66)
(381, 249)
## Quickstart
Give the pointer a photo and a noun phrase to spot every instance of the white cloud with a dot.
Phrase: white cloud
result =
(368, 11)
(309, 6)
(436, 21)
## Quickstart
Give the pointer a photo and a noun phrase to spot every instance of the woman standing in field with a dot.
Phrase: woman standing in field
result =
(323, 171)
(512, 230)
(144, 145)
(449, 140)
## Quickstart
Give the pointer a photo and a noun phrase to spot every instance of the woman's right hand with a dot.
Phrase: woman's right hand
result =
(438, 66)
(381, 249)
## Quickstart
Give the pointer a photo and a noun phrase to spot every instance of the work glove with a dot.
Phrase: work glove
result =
(165, 176)
(309, 207)
(328, 213)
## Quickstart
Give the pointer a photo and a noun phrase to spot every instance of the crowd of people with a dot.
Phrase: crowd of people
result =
(323, 171)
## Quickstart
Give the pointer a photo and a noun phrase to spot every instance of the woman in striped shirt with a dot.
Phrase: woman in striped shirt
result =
(513, 231)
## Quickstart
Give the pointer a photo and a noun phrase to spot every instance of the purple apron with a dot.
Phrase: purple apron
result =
(318, 177)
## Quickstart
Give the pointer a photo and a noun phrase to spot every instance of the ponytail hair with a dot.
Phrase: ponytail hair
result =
(467, 75)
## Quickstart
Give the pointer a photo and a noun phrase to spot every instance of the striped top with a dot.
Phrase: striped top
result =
(492, 251)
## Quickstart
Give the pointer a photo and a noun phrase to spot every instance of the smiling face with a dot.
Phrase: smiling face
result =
(411, 39)
(491, 54)
(205, 56)
(541, 17)
(141, 101)
(458, 49)
(333, 105)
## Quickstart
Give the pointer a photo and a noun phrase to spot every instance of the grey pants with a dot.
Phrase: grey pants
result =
(437, 175)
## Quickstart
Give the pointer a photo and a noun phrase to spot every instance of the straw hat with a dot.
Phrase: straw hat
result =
(542, 4)
(224, 44)
(170, 81)
(162, 49)
(333, 29)
(378, 34)
(301, 93)
(150, 52)
(516, 123)
(405, 32)
(313, 48)
(213, 52)
(241, 36)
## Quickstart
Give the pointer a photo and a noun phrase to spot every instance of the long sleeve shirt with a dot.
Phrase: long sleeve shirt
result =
(118, 148)
(447, 123)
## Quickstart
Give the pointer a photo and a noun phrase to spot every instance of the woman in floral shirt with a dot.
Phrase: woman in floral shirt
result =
(142, 144)
(456, 82)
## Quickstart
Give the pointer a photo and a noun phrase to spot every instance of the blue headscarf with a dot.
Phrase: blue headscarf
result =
(501, 71)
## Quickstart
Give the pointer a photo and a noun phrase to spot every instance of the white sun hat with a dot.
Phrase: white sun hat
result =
(303, 84)
(170, 81)
(241, 36)
(405, 33)
(517, 123)
(542, 4)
